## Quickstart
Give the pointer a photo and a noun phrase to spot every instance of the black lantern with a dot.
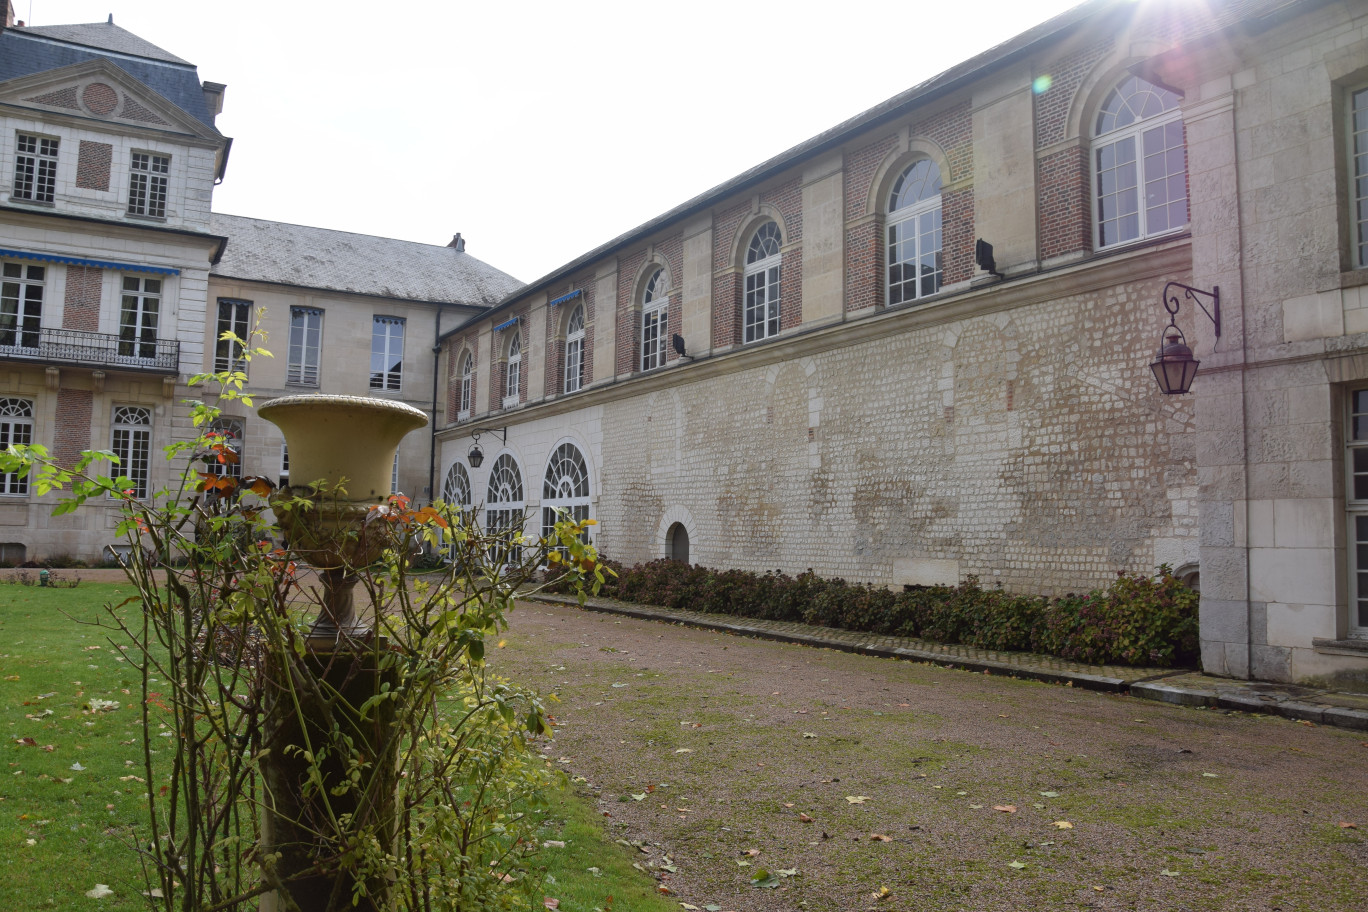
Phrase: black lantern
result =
(476, 456)
(1173, 365)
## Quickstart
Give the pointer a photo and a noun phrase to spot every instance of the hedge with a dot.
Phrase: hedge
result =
(1137, 620)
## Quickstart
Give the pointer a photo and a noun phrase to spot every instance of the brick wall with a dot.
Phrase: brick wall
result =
(81, 309)
(555, 332)
(458, 348)
(864, 252)
(1065, 212)
(72, 425)
(629, 314)
(93, 165)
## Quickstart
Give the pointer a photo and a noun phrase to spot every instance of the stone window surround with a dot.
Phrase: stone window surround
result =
(511, 367)
(384, 340)
(299, 371)
(44, 189)
(149, 186)
(572, 381)
(653, 320)
(1356, 509)
(757, 280)
(465, 404)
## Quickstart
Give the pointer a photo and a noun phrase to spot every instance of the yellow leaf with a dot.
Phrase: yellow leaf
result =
(1062, 825)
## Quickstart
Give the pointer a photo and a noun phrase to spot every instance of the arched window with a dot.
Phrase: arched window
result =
(16, 429)
(761, 311)
(1139, 164)
(574, 351)
(513, 372)
(467, 390)
(565, 488)
(914, 233)
(456, 487)
(504, 505)
(677, 543)
(655, 303)
(131, 440)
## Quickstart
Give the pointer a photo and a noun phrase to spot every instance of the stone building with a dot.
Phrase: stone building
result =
(809, 365)
(117, 280)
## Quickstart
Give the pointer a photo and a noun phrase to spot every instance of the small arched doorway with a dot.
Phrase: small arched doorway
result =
(677, 543)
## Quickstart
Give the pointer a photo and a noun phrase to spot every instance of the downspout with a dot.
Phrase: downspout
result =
(432, 433)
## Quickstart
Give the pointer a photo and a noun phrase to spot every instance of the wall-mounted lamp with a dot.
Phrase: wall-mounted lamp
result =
(476, 455)
(983, 258)
(1174, 366)
(677, 342)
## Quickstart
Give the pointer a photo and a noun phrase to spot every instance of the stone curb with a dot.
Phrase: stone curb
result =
(1147, 688)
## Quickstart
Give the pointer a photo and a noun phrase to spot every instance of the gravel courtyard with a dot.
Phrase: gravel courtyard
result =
(751, 775)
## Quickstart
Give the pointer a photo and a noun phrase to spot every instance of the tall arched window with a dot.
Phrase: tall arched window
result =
(574, 351)
(513, 371)
(914, 233)
(655, 302)
(130, 437)
(565, 488)
(456, 488)
(16, 429)
(761, 311)
(504, 506)
(1139, 164)
(467, 387)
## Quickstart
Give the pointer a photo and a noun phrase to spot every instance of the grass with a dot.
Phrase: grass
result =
(71, 807)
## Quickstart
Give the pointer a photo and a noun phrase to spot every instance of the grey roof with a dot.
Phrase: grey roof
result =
(320, 258)
(27, 51)
(105, 36)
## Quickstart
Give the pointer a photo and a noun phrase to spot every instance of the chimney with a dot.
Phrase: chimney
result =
(457, 242)
(213, 96)
(9, 13)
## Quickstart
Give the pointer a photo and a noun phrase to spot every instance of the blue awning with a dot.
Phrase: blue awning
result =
(565, 297)
(506, 323)
(81, 261)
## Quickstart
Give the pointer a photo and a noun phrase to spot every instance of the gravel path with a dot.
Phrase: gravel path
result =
(929, 788)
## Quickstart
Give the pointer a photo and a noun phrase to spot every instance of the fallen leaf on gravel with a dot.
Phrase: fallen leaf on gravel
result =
(77, 767)
(788, 804)
(689, 906)
(1346, 825)
(1038, 806)
(883, 893)
(664, 889)
(1017, 865)
(1211, 775)
(1049, 794)
(857, 799)
(27, 742)
(787, 872)
(640, 797)
(1167, 873)
(684, 750)
(751, 853)
(961, 793)
(553, 844)
(550, 903)
(742, 863)
(975, 807)
(619, 685)
(880, 837)
(1062, 825)
(805, 818)
(809, 734)
(1005, 808)
(100, 891)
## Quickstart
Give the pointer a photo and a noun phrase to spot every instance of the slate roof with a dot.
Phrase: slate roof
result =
(26, 51)
(321, 258)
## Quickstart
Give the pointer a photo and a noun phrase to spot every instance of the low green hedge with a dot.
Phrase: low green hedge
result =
(1137, 620)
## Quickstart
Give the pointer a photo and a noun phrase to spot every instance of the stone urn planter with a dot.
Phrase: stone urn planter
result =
(315, 700)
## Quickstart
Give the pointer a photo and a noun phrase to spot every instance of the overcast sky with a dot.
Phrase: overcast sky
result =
(538, 130)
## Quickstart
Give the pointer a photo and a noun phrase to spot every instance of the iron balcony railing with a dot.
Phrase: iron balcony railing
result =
(89, 349)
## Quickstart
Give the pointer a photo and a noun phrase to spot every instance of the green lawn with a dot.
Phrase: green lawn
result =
(71, 797)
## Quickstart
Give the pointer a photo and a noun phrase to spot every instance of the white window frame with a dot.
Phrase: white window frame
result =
(394, 475)
(234, 316)
(513, 371)
(284, 477)
(1113, 183)
(306, 345)
(456, 488)
(149, 175)
(1357, 135)
(35, 168)
(565, 488)
(760, 306)
(655, 319)
(130, 438)
(464, 406)
(574, 351)
(22, 289)
(1356, 508)
(922, 217)
(16, 429)
(505, 506)
(387, 354)
(139, 317)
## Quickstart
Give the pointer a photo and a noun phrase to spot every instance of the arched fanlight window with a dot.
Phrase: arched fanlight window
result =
(761, 309)
(16, 429)
(504, 506)
(131, 440)
(456, 493)
(914, 233)
(467, 387)
(574, 351)
(1139, 164)
(513, 372)
(655, 301)
(565, 489)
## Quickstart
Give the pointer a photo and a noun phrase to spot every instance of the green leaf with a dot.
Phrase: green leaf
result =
(1016, 865)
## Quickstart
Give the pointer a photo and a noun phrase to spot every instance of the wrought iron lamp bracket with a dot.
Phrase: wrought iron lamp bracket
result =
(1172, 303)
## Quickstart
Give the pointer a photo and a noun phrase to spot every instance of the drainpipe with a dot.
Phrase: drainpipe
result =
(432, 435)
